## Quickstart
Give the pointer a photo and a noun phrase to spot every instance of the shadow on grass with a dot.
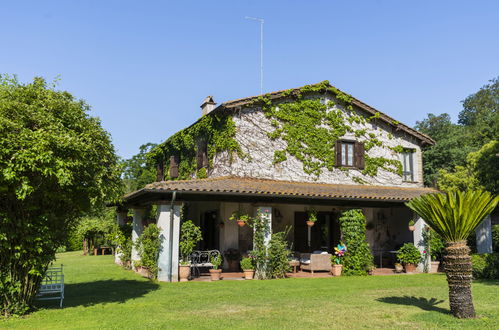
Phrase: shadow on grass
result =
(486, 282)
(421, 302)
(101, 292)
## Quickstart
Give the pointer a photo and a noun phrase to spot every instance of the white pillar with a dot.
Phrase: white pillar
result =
(484, 236)
(266, 213)
(420, 226)
(120, 220)
(169, 253)
(137, 228)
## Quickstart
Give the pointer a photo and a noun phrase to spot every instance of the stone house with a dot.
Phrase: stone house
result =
(282, 154)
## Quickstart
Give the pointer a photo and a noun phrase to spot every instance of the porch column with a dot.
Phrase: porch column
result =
(120, 220)
(169, 226)
(419, 242)
(137, 228)
(484, 236)
(266, 212)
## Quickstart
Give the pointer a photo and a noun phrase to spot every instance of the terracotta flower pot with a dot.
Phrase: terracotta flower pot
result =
(215, 274)
(410, 268)
(412, 228)
(248, 274)
(336, 270)
(241, 223)
(310, 223)
(434, 266)
(184, 272)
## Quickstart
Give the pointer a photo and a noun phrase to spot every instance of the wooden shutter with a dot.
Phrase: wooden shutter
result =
(337, 162)
(359, 152)
(174, 160)
(160, 174)
(202, 154)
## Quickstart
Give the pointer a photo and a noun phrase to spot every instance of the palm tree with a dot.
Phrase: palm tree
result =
(454, 216)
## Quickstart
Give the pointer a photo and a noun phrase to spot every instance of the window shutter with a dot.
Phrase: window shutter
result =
(160, 174)
(337, 162)
(174, 160)
(359, 151)
(202, 155)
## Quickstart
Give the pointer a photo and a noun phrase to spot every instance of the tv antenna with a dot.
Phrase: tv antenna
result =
(261, 48)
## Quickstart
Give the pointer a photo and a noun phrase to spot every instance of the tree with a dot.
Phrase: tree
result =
(480, 114)
(480, 172)
(137, 171)
(56, 162)
(449, 150)
(454, 216)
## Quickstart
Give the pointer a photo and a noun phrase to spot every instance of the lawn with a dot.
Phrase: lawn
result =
(100, 294)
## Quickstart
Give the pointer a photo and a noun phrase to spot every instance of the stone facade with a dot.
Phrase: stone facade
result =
(253, 126)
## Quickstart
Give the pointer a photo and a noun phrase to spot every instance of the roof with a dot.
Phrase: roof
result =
(363, 106)
(240, 186)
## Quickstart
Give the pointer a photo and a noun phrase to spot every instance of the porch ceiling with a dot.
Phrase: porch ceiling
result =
(239, 189)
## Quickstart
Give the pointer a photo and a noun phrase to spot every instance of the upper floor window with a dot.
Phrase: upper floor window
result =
(407, 165)
(350, 154)
(202, 154)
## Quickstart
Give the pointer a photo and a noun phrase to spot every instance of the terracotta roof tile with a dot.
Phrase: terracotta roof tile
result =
(255, 187)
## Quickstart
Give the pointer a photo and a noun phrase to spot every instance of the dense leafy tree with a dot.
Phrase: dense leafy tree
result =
(449, 150)
(137, 172)
(454, 216)
(480, 114)
(56, 163)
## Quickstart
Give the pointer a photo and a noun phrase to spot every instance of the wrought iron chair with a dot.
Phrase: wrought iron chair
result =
(202, 259)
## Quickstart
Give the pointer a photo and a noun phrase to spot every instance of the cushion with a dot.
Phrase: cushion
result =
(305, 261)
(319, 252)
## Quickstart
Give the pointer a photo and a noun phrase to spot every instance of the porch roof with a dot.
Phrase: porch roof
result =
(232, 188)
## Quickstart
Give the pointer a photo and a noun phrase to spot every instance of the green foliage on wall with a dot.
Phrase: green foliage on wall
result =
(310, 127)
(358, 259)
(218, 130)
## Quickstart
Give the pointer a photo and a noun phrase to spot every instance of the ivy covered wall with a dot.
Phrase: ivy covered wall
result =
(293, 139)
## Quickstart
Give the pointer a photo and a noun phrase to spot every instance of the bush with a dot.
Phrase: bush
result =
(148, 246)
(278, 255)
(358, 260)
(437, 246)
(409, 254)
(495, 238)
(121, 238)
(190, 235)
(485, 266)
(247, 264)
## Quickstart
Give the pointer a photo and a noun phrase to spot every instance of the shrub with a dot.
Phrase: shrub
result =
(409, 254)
(247, 263)
(278, 255)
(216, 261)
(148, 245)
(359, 259)
(437, 246)
(190, 235)
(495, 238)
(121, 238)
(485, 266)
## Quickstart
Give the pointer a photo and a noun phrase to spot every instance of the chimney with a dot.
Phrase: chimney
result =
(208, 105)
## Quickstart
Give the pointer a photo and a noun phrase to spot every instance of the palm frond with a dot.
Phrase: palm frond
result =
(454, 215)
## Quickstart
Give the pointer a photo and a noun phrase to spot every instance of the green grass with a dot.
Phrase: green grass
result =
(101, 295)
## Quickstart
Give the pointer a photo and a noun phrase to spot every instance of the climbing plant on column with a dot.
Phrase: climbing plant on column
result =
(358, 259)
(56, 163)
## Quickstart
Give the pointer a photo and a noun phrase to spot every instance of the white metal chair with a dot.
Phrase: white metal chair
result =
(52, 286)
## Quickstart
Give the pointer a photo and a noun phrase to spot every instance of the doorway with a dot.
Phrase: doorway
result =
(324, 234)
(209, 231)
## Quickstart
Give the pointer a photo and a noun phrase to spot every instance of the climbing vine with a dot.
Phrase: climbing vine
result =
(218, 130)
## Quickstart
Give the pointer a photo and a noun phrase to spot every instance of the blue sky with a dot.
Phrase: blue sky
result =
(146, 66)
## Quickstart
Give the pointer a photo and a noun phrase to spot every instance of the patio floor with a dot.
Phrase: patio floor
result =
(235, 276)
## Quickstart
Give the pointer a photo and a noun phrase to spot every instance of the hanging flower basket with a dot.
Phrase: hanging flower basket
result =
(241, 223)
(310, 223)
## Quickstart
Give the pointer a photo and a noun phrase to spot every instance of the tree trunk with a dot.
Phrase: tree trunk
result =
(459, 276)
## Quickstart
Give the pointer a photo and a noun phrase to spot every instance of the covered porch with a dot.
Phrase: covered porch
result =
(209, 203)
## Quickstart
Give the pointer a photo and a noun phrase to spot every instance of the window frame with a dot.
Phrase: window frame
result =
(408, 154)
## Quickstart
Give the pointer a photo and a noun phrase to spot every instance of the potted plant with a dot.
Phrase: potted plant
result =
(190, 235)
(232, 256)
(215, 272)
(248, 268)
(436, 247)
(410, 256)
(339, 251)
(411, 225)
(240, 217)
(312, 217)
(399, 268)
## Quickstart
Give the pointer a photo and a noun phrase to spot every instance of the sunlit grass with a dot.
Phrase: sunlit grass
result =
(100, 294)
